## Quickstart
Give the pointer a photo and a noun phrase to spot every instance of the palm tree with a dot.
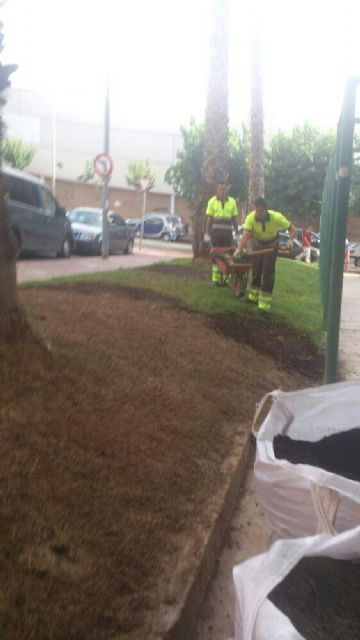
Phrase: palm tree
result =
(216, 134)
(256, 177)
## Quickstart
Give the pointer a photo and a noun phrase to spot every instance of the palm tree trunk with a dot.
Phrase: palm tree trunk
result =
(256, 177)
(216, 134)
(200, 249)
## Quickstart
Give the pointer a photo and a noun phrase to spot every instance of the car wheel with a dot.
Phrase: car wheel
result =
(357, 262)
(129, 247)
(66, 248)
(165, 237)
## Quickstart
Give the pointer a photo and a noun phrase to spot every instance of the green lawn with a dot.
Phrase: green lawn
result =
(296, 299)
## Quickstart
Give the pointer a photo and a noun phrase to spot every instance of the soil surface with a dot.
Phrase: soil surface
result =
(114, 428)
(338, 453)
(322, 599)
(291, 349)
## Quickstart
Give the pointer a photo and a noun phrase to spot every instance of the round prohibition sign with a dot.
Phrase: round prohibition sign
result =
(103, 165)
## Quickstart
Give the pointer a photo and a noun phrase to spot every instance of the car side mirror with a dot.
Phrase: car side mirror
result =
(60, 211)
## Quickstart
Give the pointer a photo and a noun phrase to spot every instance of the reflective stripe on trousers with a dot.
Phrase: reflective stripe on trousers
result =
(218, 276)
(264, 301)
(253, 294)
(216, 273)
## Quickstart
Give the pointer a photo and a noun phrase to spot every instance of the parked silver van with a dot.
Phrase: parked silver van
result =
(39, 224)
(159, 226)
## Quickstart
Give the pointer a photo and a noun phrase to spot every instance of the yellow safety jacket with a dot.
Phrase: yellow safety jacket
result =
(222, 214)
(267, 230)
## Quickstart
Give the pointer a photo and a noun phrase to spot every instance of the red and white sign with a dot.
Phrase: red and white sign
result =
(103, 165)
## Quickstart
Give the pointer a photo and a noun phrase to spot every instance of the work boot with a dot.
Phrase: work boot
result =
(253, 295)
(264, 312)
(264, 302)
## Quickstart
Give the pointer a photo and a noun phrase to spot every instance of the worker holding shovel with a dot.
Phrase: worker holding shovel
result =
(263, 226)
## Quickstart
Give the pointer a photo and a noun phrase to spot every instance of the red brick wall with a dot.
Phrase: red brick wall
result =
(353, 228)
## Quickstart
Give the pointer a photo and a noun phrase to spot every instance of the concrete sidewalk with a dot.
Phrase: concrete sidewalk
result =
(349, 355)
(43, 269)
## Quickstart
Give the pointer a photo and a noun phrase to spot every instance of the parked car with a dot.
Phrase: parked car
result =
(160, 226)
(39, 224)
(134, 224)
(355, 252)
(86, 224)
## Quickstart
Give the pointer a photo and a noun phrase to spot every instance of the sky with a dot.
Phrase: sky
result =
(156, 54)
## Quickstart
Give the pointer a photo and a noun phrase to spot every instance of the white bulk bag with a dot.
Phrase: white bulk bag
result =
(256, 617)
(298, 499)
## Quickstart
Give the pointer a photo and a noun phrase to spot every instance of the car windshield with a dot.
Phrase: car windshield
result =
(173, 219)
(92, 218)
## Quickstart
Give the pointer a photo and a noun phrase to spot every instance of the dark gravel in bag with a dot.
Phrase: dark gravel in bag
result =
(321, 596)
(338, 453)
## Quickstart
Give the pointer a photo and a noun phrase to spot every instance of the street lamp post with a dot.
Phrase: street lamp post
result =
(54, 167)
(145, 185)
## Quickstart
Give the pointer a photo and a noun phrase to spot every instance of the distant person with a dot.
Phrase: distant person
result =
(221, 219)
(306, 245)
(263, 226)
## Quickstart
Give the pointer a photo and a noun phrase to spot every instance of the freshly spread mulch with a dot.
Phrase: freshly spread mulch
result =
(321, 596)
(338, 453)
(113, 441)
(291, 349)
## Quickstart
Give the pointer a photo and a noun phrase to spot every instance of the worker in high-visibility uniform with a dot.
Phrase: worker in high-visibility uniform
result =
(221, 219)
(263, 226)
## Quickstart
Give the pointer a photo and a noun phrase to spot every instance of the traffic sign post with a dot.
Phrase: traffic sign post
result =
(145, 186)
(103, 166)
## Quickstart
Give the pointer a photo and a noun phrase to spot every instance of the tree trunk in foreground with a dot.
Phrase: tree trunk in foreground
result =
(11, 317)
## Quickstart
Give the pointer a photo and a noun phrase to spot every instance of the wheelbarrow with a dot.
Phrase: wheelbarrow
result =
(236, 270)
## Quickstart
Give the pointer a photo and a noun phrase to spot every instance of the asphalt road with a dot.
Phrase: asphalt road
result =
(30, 269)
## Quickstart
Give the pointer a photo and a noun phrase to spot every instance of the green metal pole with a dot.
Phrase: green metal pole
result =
(327, 222)
(330, 231)
(339, 231)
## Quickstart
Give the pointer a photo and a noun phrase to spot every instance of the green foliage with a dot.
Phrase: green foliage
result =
(138, 170)
(185, 175)
(89, 176)
(16, 153)
(295, 171)
(354, 204)
(239, 155)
